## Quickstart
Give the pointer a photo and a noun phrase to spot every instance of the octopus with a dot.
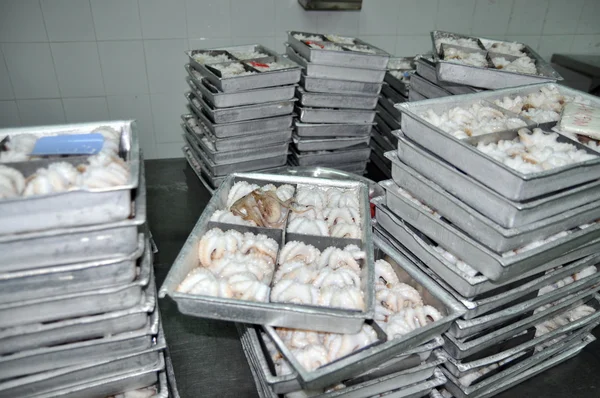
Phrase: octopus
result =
(290, 291)
(341, 215)
(345, 297)
(341, 345)
(409, 319)
(112, 139)
(385, 276)
(215, 244)
(297, 271)
(311, 357)
(342, 198)
(246, 286)
(227, 217)
(261, 246)
(307, 226)
(264, 208)
(299, 251)
(335, 258)
(343, 230)
(12, 182)
(339, 277)
(295, 338)
(238, 191)
(203, 281)
(57, 177)
(308, 212)
(103, 170)
(398, 297)
(314, 197)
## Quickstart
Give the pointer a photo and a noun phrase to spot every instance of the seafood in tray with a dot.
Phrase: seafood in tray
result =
(38, 193)
(238, 263)
(409, 308)
(240, 68)
(487, 63)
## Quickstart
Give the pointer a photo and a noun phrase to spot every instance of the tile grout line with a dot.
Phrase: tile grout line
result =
(154, 141)
(99, 60)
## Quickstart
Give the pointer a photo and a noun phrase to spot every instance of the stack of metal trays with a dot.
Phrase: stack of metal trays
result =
(341, 82)
(519, 251)
(240, 109)
(474, 61)
(78, 314)
(395, 91)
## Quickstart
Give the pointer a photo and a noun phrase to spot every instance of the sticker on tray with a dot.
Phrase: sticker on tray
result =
(581, 119)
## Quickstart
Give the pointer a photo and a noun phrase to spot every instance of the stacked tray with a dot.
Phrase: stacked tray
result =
(394, 91)
(78, 314)
(240, 119)
(480, 229)
(341, 82)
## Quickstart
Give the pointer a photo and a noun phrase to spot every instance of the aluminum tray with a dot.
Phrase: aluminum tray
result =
(391, 94)
(419, 389)
(537, 369)
(118, 384)
(335, 72)
(228, 130)
(75, 244)
(385, 129)
(326, 115)
(465, 156)
(332, 130)
(317, 84)
(415, 96)
(427, 88)
(331, 158)
(275, 314)
(220, 99)
(507, 213)
(47, 383)
(329, 100)
(331, 144)
(239, 155)
(281, 77)
(389, 120)
(72, 208)
(479, 227)
(378, 60)
(506, 373)
(383, 143)
(54, 308)
(493, 265)
(197, 169)
(193, 126)
(426, 70)
(397, 84)
(489, 77)
(458, 367)
(490, 297)
(217, 170)
(369, 357)
(492, 343)
(356, 168)
(389, 106)
(242, 113)
(48, 358)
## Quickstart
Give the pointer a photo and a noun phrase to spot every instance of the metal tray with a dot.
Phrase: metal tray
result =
(47, 383)
(458, 367)
(480, 228)
(489, 77)
(505, 212)
(427, 88)
(465, 156)
(275, 314)
(48, 358)
(31, 336)
(356, 168)
(237, 129)
(335, 72)
(54, 308)
(72, 208)
(492, 265)
(193, 126)
(537, 369)
(331, 158)
(385, 116)
(391, 94)
(369, 357)
(329, 100)
(320, 85)
(326, 115)
(242, 113)
(398, 85)
(230, 53)
(280, 77)
(491, 343)
(378, 60)
(220, 99)
(118, 384)
(328, 144)
(194, 164)
(50, 281)
(415, 96)
(385, 129)
(75, 244)
(427, 71)
(389, 106)
(383, 143)
(236, 156)
(420, 389)
(218, 170)
(460, 391)
(332, 130)
(490, 297)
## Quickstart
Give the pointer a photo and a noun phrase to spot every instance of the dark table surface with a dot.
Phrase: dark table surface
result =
(206, 354)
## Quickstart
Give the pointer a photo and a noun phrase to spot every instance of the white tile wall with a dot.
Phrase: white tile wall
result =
(72, 60)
